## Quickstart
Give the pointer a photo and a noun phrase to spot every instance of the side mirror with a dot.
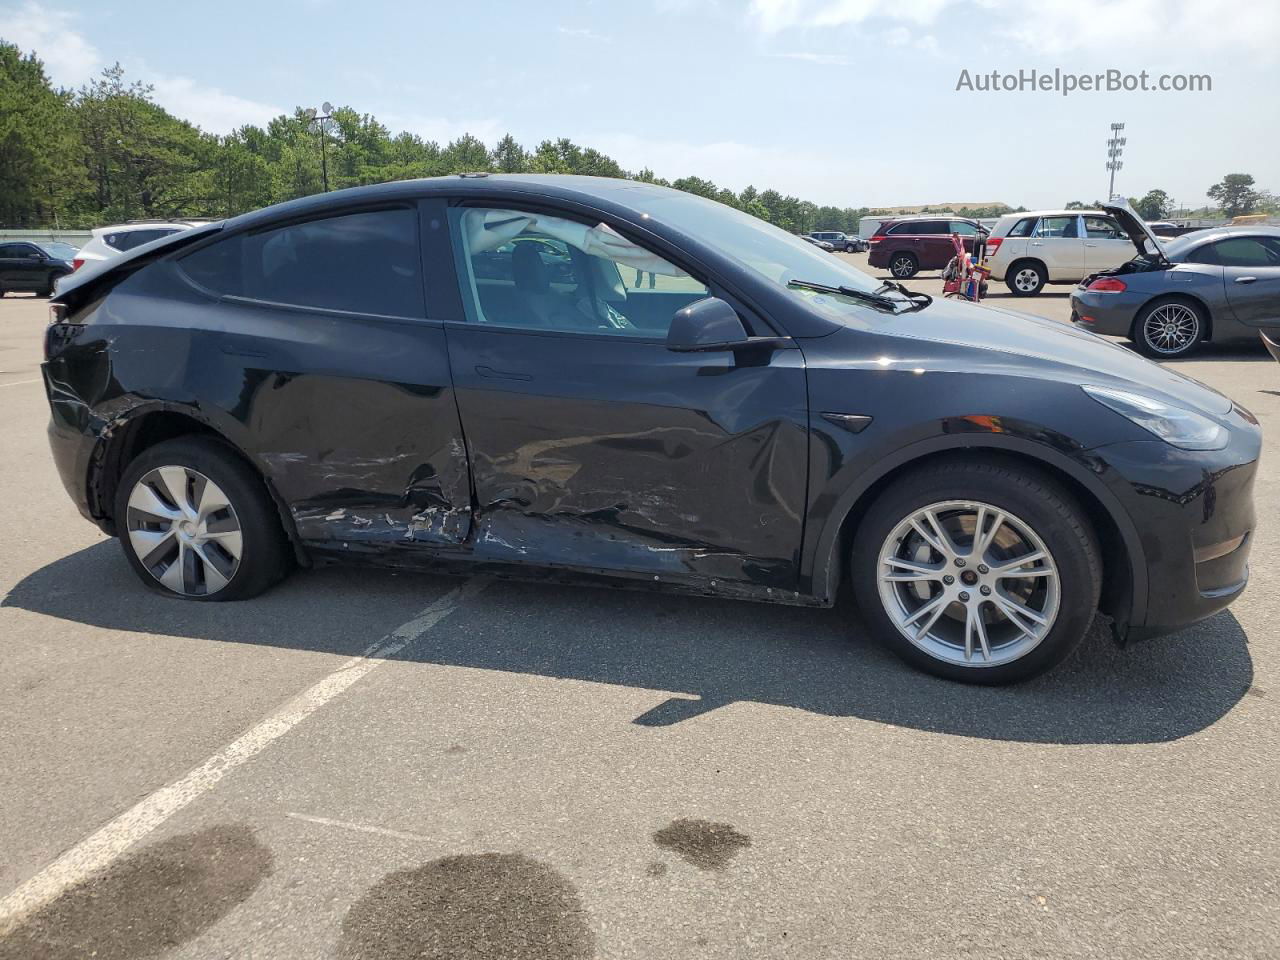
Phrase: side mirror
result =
(707, 324)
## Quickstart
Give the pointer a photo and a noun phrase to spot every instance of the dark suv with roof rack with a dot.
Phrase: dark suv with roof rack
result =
(905, 247)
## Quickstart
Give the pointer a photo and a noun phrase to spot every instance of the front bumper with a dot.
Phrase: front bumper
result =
(1106, 313)
(1194, 515)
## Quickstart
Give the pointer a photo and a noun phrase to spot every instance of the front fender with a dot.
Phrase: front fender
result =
(821, 560)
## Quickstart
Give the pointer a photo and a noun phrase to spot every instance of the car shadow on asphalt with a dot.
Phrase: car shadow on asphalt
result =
(706, 653)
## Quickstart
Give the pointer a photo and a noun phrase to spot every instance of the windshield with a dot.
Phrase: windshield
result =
(771, 253)
(59, 250)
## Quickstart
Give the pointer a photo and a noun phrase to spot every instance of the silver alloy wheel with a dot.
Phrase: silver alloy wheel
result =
(901, 267)
(968, 583)
(183, 529)
(1026, 280)
(1171, 328)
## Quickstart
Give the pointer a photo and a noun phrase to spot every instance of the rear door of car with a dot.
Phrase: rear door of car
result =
(1251, 272)
(592, 445)
(1105, 244)
(313, 339)
(1056, 241)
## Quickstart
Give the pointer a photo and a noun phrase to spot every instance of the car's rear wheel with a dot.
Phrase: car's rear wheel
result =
(1026, 279)
(196, 522)
(1168, 328)
(984, 573)
(904, 265)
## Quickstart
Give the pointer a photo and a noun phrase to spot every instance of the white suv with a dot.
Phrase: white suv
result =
(1028, 250)
(110, 242)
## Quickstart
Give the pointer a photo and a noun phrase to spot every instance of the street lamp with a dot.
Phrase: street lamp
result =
(312, 116)
(1115, 147)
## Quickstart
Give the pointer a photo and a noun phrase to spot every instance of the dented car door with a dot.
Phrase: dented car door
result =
(315, 336)
(592, 445)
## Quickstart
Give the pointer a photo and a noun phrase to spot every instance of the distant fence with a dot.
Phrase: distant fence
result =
(77, 238)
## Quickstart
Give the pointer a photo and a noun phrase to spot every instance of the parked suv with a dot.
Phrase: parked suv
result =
(905, 247)
(33, 267)
(112, 241)
(840, 241)
(352, 375)
(1028, 250)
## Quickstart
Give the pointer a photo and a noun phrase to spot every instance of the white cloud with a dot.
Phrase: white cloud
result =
(1105, 28)
(825, 59)
(583, 33)
(444, 129)
(71, 60)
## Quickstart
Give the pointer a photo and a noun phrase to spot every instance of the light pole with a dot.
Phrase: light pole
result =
(313, 115)
(1115, 147)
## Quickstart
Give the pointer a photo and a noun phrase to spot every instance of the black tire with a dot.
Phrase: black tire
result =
(266, 554)
(1032, 496)
(1142, 335)
(903, 266)
(1016, 278)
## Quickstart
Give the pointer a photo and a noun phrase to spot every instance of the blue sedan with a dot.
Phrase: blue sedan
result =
(1220, 284)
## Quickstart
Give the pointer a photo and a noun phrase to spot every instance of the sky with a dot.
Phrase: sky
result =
(847, 102)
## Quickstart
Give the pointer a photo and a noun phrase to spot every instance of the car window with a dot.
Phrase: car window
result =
(366, 262)
(907, 226)
(933, 227)
(1246, 252)
(1102, 228)
(1024, 227)
(1204, 254)
(15, 250)
(964, 228)
(59, 250)
(1058, 228)
(520, 269)
(128, 239)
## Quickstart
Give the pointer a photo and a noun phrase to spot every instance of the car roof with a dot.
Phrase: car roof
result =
(1210, 234)
(610, 191)
(146, 225)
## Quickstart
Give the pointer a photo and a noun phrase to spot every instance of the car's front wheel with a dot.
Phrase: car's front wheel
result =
(1168, 329)
(980, 572)
(196, 522)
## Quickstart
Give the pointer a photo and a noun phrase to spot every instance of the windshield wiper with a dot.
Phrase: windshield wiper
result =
(914, 301)
(918, 300)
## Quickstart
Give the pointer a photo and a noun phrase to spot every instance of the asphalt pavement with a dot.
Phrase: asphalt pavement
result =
(371, 764)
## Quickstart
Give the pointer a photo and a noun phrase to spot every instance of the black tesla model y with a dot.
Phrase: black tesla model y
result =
(586, 378)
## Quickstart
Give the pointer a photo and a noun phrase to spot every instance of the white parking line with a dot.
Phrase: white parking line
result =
(18, 383)
(98, 850)
(360, 827)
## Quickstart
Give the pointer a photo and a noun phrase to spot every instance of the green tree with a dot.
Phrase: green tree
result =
(1155, 205)
(509, 157)
(1235, 194)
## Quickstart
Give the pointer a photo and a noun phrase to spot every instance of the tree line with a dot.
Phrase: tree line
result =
(108, 153)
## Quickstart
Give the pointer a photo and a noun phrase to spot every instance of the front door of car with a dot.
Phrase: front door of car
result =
(22, 266)
(594, 446)
(1057, 242)
(1105, 244)
(1251, 272)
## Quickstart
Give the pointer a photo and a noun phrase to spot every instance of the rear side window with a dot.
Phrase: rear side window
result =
(366, 262)
(1247, 252)
(128, 239)
(907, 227)
(1024, 227)
(1203, 254)
(1064, 228)
(1101, 228)
(931, 227)
(963, 228)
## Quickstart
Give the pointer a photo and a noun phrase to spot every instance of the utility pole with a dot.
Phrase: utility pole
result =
(314, 116)
(1115, 147)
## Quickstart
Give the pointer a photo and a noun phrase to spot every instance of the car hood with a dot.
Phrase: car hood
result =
(1019, 343)
(1137, 229)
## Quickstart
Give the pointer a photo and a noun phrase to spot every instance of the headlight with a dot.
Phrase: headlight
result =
(1173, 425)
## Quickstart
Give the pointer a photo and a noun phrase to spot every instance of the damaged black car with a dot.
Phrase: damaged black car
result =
(593, 379)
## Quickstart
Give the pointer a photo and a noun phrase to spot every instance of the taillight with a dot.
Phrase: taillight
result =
(874, 240)
(76, 264)
(1107, 285)
(993, 244)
